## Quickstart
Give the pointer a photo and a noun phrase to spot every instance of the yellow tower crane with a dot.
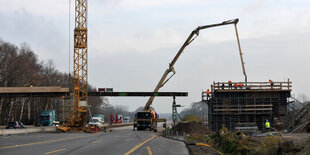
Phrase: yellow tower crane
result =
(77, 120)
(80, 65)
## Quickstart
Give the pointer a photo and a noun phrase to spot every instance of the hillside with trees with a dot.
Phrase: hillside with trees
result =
(197, 110)
(20, 67)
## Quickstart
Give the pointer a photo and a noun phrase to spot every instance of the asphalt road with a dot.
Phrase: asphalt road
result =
(121, 141)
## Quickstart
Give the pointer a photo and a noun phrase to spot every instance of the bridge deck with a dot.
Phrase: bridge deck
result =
(57, 91)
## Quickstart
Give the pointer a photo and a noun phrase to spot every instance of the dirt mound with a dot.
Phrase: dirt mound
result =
(191, 128)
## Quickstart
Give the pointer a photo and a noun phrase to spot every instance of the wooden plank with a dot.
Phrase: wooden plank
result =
(252, 109)
(232, 113)
(253, 82)
(254, 85)
(252, 90)
(261, 105)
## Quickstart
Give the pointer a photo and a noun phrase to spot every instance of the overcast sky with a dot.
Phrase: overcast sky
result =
(131, 42)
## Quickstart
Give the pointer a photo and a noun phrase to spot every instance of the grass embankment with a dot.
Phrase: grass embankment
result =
(235, 143)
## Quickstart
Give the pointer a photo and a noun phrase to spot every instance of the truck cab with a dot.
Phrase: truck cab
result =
(145, 120)
(126, 120)
(47, 118)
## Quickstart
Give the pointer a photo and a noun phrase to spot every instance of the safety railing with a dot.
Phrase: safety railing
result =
(251, 86)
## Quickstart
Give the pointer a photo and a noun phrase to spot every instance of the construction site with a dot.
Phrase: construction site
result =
(46, 111)
(250, 102)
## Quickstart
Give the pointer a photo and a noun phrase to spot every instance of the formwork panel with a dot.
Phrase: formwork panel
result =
(253, 103)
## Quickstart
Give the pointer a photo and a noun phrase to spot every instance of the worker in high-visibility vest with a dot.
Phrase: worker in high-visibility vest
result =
(235, 85)
(271, 83)
(267, 125)
(208, 94)
(229, 84)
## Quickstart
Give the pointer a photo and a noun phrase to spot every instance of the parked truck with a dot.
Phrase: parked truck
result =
(116, 119)
(47, 118)
(126, 120)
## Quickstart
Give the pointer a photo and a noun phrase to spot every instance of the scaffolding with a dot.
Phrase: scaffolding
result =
(232, 103)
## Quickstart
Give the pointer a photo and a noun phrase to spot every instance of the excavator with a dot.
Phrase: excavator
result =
(148, 118)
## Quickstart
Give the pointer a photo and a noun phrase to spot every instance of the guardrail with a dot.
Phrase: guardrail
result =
(27, 130)
(118, 125)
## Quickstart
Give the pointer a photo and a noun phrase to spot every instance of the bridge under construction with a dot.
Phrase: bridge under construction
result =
(235, 104)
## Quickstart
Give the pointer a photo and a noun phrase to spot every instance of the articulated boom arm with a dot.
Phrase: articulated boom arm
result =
(190, 38)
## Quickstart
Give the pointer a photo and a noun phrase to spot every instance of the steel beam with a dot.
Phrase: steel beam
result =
(138, 94)
(107, 94)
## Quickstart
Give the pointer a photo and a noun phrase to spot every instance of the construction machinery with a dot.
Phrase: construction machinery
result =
(147, 117)
(77, 121)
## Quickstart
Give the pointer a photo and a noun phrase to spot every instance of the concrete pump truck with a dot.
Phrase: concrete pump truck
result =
(148, 118)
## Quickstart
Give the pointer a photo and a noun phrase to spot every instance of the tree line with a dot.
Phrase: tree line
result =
(20, 67)
(197, 110)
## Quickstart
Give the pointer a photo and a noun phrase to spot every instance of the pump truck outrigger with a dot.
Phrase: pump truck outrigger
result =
(147, 118)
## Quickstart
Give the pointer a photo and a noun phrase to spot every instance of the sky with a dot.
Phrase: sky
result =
(132, 42)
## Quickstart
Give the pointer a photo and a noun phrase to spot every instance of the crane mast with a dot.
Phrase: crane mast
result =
(190, 39)
(80, 65)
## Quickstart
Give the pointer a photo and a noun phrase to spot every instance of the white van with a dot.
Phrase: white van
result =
(97, 121)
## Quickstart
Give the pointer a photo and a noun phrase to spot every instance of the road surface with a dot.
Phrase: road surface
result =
(121, 141)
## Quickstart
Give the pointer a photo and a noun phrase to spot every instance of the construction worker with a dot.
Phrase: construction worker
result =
(208, 94)
(271, 83)
(235, 85)
(267, 125)
(241, 85)
(229, 84)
